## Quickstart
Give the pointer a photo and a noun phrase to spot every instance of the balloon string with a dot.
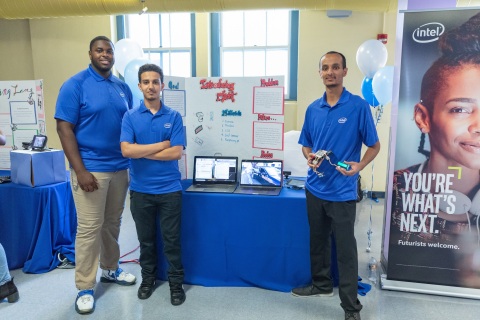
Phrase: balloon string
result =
(378, 115)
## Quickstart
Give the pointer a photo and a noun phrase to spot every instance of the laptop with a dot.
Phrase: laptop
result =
(261, 177)
(214, 174)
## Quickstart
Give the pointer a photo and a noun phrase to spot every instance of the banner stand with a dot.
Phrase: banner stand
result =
(415, 287)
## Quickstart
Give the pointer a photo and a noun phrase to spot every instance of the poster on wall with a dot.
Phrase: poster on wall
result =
(22, 115)
(233, 116)
(434, 234)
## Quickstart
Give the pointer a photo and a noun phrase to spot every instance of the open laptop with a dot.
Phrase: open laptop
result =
(261, 177)
(214, 174)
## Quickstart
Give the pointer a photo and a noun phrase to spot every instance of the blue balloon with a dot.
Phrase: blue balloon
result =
(367, 92)
(131, 76)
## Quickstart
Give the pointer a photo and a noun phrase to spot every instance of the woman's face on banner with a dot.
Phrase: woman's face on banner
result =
(455, 120)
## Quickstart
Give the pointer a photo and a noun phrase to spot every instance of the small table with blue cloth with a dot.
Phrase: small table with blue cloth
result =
(245, 240)
(36, 224)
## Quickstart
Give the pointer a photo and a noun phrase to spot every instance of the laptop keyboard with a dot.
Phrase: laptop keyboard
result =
(259, 188)
(206, 186)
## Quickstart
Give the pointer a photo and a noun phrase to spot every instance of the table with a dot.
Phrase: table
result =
(36, 224)
(245, 240)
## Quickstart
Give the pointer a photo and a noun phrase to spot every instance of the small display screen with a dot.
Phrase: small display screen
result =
(39, 142)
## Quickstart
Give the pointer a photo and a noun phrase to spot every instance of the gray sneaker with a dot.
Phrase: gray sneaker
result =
(352, 316)
(311, 291)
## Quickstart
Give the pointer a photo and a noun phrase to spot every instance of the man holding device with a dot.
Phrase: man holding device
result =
(339, 122)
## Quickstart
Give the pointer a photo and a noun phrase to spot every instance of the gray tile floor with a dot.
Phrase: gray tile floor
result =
(51, 295)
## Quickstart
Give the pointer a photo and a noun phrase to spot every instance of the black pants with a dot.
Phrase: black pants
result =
(324, 218)
(168, 207)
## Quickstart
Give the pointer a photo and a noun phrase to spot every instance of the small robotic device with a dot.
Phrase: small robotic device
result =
(320, 155)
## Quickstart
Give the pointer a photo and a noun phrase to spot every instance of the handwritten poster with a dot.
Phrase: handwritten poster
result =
(234, 116)
(22, 115)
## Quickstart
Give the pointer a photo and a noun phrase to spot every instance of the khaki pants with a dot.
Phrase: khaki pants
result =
(99, 215)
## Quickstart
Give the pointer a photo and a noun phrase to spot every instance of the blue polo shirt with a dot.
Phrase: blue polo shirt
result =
(342, 129)
(141, 126)
(95, 106)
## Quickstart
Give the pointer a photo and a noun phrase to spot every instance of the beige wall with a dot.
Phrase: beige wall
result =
(15, 50)
(54, 49)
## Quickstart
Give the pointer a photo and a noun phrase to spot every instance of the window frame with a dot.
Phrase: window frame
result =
(122, 31)
(217, 50)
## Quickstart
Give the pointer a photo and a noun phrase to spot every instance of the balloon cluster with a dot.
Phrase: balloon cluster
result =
(128, 60)
(377, 86)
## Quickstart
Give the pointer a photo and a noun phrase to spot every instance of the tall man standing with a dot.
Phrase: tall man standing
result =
(339, 122)
(89, 112)
(153, 136)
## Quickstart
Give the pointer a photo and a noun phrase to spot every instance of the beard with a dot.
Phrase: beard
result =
(101, 67)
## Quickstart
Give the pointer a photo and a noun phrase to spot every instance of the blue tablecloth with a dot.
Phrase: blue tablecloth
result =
(36, 224)
(245, 240)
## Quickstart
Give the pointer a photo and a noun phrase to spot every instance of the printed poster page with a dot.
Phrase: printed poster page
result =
(268, 100)
(174, 96)
(433, 223)
(22, 115)
(220, 118)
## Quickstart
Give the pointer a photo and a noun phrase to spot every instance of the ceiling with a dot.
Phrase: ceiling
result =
(28, 9)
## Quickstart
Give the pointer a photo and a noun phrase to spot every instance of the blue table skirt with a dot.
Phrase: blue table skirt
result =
(245, 240)
(36, 224)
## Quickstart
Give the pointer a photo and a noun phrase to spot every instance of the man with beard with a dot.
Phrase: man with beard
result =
(339, 122)
(153, 137)
(89, 112)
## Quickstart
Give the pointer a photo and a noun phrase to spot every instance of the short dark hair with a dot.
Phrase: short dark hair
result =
(344, 60)
(98, 38)
(150, 67)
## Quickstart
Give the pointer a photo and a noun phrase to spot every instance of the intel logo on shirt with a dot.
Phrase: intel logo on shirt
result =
(167, 125)
(122, 94)
(342, 120)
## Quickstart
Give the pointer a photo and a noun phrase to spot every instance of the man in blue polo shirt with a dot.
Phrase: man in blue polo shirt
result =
(153, 137)
(339, 122)
(89, 112)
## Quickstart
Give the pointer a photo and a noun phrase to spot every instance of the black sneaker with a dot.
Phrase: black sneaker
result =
(311, 291)
(146, 289)
(177, 295)
(352, 316)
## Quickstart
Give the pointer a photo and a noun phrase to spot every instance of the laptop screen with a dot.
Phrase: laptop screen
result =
(261, 173)
(215, 169)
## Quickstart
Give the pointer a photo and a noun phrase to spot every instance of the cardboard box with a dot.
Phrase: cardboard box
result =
(37, 168)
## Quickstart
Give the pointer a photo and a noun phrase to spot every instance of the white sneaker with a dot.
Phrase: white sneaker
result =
(118, 276)
(85, 303)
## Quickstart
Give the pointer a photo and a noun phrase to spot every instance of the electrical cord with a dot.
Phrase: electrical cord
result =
(129, 261)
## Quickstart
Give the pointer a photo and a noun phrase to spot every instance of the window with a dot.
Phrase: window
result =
(166, 39)
(256, 43)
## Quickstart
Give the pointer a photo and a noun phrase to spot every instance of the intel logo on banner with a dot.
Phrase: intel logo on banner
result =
(429, 32)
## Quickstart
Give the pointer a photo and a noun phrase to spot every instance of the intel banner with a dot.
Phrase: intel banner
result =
(434, 222)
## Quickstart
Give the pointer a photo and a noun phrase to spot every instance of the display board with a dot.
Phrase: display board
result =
(22, 115)
(432, 233)
(233, 116)
(174, 96)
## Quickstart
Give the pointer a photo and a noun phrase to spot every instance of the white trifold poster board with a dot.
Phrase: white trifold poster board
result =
(22, 115)
(229, 116)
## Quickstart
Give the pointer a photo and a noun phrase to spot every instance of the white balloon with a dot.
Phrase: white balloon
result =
(382, 85)
(125, 51)
(371, 56)
(131, 76)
